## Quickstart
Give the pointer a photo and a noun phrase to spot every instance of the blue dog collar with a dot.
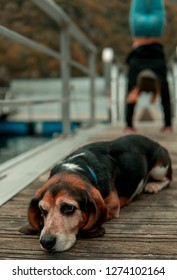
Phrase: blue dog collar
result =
(93, 174)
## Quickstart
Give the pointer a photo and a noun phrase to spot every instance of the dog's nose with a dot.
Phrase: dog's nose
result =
(48, 241)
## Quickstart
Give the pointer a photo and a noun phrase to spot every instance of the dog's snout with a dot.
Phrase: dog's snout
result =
(48, 241)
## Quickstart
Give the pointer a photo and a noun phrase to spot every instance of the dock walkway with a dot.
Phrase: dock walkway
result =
(146, 229)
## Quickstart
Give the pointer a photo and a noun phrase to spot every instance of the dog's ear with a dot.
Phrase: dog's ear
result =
(95, 214)
(34, 217)
(34, 214)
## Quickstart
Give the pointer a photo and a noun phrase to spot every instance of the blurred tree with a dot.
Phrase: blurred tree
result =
(104, 22)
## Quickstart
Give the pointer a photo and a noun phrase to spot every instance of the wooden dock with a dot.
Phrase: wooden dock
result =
(146, 229)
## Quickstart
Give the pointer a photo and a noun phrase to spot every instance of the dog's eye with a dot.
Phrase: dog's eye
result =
(43, 211)
(67, 209)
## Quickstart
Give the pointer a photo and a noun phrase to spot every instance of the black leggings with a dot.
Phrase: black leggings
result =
(148, 57)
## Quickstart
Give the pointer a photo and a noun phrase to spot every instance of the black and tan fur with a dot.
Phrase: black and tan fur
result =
(90, 185)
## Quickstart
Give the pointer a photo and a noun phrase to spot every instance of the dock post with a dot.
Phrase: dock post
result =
(92, 73)
(114, 92)
(65, 75)
(174, 73)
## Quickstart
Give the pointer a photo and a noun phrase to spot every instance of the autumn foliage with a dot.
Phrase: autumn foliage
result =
(105, 22)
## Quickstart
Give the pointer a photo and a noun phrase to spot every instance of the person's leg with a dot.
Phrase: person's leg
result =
(160, 68)
(165, 100)
(129, 111)
(132, 94)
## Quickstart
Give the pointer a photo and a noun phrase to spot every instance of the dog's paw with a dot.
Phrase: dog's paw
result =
(152, 187)
(91, 234)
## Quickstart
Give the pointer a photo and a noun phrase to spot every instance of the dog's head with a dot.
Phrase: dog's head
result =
(66, 206)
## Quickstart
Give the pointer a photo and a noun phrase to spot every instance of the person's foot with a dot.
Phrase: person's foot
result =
(129, 130)
(166, 129)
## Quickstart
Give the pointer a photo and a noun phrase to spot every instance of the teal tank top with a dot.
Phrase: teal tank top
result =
(147, 18)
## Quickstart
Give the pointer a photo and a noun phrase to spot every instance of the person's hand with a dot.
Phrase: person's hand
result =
(133, 96)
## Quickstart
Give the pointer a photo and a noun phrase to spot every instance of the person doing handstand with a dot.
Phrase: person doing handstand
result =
(147, 69)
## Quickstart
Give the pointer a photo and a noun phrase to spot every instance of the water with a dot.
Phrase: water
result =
(11, 147)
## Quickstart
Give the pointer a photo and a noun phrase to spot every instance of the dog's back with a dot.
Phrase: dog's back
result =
(140, 160)
(124, 162)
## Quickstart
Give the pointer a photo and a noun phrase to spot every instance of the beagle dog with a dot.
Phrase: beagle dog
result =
(91, 185)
